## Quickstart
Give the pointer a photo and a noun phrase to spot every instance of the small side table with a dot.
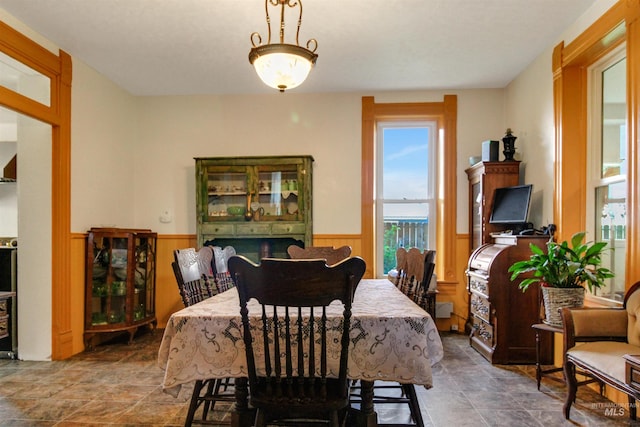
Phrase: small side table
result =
(545, 372)
(632, 376)
(632, 370)
(538, 327)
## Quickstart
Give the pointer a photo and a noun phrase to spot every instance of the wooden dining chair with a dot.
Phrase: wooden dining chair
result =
(193, 281)
(410, 267)
(414, 273)
(193, 290)
(220, 271)
(295, 374)
(423, 295)
(192, 270)
(329, 253)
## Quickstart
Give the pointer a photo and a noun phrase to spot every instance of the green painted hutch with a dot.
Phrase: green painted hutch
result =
(258, 205)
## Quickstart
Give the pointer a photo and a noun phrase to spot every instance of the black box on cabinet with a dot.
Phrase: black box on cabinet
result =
(490, 151)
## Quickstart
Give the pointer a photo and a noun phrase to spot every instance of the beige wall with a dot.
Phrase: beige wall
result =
(529, 112)
(139, 151)
(176, 129)
(173, 130)
(104, 131)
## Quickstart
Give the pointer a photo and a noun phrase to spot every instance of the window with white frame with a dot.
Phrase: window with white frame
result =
(405, 178)
(607, 166)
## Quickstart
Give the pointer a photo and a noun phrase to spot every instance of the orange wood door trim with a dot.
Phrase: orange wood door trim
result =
(59, 70)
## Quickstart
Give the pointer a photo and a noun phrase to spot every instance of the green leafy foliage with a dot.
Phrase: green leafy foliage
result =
(563, 266)
(390, 248)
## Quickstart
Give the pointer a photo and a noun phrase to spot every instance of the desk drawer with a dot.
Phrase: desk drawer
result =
(480, 307)
(479, 286)
(483, 331)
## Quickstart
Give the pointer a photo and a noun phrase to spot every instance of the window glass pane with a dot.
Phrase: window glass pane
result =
(404, 189)
(24, 80)
(614, 113)
(405, 164)
(611, 220)
(406, 225)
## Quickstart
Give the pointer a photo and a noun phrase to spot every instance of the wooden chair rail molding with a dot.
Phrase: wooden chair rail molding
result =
(168, 299)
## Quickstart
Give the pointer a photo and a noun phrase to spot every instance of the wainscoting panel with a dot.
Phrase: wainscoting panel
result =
(337, 240)
(167, 296)
(168, 299)
(78, 256)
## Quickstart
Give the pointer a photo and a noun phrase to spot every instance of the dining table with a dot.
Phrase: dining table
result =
(392, 339)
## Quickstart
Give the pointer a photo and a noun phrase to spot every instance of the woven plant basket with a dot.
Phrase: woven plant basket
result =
(557, 298)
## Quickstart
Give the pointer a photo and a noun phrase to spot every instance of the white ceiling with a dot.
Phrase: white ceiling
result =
(184, 47)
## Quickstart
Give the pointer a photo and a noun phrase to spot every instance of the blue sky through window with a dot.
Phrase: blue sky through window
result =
(405, 163)
(405, 190)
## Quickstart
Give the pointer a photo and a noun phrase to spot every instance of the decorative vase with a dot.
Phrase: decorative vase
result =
(557, 298)
(509, 142)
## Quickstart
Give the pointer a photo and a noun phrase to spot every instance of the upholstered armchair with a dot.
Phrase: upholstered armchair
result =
(595, 342)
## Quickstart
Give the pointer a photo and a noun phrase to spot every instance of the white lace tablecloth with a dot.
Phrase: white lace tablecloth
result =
(392, 339)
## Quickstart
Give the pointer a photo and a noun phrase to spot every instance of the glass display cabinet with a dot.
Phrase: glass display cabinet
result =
(258, 205)
(120, 281)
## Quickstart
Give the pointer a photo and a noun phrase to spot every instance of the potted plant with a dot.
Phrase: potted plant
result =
(563, 271)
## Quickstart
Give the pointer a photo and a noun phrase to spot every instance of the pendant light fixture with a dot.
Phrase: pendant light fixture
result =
(280, 65)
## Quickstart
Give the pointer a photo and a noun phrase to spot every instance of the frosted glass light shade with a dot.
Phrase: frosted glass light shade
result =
(282, 66)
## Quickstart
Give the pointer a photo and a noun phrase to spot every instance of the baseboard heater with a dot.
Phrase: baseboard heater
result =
(444, 310)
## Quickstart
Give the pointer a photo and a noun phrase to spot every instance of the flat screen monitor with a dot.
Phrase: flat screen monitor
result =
(511, 205)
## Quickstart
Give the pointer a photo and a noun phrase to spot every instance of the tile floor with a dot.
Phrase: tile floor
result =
(119, 385)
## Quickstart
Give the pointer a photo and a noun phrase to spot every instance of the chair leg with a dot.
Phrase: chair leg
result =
(260, 418)
(632, 407)
(193, 405)
(212, 390)
(572, 387)
(410, 392)
(334, 419)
